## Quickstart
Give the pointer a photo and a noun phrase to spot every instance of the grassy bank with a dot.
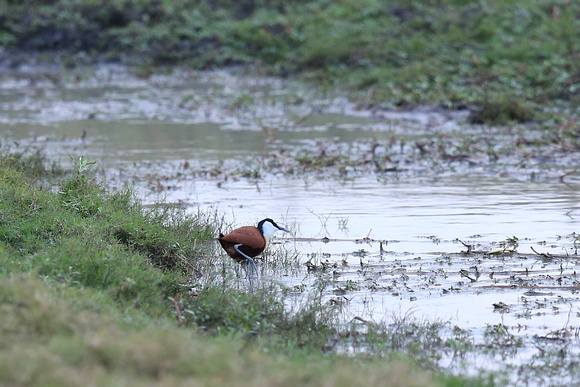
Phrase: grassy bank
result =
(55, 336)
(94, 289)
(508, 61)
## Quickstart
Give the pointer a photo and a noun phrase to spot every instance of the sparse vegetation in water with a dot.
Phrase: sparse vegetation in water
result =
(390, 158)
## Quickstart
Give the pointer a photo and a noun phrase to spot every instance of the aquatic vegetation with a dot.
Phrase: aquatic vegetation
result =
(501, 111)
(392, 160)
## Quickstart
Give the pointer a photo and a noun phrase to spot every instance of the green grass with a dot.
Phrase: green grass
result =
(400, 53)
(91, 284)
(87, 237)
(47, 340)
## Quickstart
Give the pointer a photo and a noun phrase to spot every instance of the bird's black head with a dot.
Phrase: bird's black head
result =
(268, 227)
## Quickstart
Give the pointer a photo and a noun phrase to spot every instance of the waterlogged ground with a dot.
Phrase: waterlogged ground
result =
(411, 218)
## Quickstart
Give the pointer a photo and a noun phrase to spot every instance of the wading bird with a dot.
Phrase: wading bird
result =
(244, 243)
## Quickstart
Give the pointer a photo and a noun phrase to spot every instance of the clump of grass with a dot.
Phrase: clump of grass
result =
(32, 160)
(497, 112)
(566, 137)
(422, 340)
(262, 313)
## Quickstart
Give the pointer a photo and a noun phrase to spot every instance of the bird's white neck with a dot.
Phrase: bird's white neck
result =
(268, 229)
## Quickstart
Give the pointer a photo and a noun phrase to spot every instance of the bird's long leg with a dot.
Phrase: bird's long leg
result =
(250, 260)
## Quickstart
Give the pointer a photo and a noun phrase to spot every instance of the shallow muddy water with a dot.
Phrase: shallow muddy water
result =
(395, 239)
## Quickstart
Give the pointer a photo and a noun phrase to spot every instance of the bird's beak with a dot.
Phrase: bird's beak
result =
(284, 229)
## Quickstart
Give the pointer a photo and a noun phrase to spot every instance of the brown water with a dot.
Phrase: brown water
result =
(146, 131)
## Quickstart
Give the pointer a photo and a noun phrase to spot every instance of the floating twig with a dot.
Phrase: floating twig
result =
(361, 320)
(545, 255)
(525, 159)
(561, 178)
(465, 273)
(469, 247)
(465, 142)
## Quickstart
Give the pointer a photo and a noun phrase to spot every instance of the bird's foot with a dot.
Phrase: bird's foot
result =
(252, 269)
